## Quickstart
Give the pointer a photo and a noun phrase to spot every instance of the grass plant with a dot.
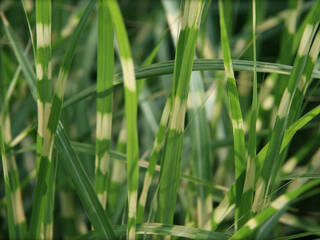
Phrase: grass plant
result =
(185, 119)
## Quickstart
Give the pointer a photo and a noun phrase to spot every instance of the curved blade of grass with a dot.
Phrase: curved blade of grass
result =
(179, 231)
(9, 93)
(248, 189)
(131, 106)
(170, 162)
(166, 229)
(15, 44)
(157, 146)
(104, 104)
(13, 83)
(278, 204)
(23, 3)
(167, 67)
(73, 166)
(236, 115)
(311, 172)
(21, 136)
(163, 68)
(290, 132)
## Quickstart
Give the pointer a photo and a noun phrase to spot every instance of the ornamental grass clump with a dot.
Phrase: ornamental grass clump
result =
(186, 119)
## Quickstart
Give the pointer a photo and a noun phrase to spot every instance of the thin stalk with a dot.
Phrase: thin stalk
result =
(74, 167)
(117, 180)
(104, 103)
(275, 206)
(131, 107)
(44, 89)
(248, 189)
(236, 115)
(163, 68)
(118, 176)
(153, 159)
(157, 146)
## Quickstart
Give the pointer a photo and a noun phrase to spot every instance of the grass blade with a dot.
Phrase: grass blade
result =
(104, 104)
(131, 106)
(249, 182)
(157, 146)
(275, 206)
(236, 115)
(26, 67)
(80, 179)
(159, 69)
(44, 92)
(160, 229)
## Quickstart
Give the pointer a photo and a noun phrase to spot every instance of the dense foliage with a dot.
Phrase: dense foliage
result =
(181, 119)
